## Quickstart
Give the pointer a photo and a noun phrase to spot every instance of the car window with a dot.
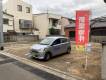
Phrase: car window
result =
(58, 41)
(46, 41)
(63, 40)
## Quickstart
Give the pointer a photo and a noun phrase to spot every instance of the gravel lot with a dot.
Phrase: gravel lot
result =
(72, 63)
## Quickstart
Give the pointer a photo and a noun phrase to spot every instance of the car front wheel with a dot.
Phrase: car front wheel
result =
(47, 57)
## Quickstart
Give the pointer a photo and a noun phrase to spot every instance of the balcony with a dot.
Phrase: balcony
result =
(57, 27)
(25, 24)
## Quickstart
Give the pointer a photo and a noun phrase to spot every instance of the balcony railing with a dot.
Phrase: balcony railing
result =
(57, 27)
(25, 24)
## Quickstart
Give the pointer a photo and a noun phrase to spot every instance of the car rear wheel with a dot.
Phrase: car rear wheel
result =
(47, 57)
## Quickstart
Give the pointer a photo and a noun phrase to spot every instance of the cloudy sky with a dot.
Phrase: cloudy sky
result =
(67, 8)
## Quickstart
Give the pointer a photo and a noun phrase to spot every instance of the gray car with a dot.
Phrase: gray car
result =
(49, 47)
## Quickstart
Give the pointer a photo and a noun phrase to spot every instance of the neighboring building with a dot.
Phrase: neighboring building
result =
(8, 22)
(64, 22)
(70, 31)
(98, 30)
(22, 13)
(45, 21)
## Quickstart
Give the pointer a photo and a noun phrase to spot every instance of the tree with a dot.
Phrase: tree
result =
(54, 31)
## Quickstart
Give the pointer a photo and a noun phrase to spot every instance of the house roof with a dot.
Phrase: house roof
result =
(8, 14)
(72, 25)
(46, 13)
(52, 14)
(99, 24)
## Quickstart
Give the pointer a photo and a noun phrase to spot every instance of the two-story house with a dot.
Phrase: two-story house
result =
(45, 21)
(22, 13)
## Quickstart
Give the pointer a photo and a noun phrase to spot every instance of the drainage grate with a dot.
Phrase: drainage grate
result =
(38, 72)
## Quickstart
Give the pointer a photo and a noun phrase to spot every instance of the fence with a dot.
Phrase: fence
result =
(20, 38)
(98, 38)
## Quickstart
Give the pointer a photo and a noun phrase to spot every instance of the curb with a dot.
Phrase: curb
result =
(51, 70)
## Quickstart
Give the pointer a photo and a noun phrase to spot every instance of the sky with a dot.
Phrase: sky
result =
(67, 8)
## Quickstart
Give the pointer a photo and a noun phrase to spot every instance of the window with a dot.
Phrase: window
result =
(46, 41)
(58, 41)
(5, 21)
(27, 10)
(25, 24)
(63, 40)
(19, 7)
(54, 22)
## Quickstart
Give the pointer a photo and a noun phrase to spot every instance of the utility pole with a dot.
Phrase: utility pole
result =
(105, 1)
(1, 26)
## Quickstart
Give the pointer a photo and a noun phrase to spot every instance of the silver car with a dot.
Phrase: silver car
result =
(49, 47)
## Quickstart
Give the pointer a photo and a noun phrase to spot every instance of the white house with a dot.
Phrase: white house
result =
(44, 21)
(22, 13)
(8, 22)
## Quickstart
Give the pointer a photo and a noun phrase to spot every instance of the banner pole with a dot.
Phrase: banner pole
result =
(86, 61)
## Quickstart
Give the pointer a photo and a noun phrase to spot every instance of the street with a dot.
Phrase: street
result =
(11, 69)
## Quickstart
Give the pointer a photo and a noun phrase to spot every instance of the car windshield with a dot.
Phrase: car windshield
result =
(47, 41)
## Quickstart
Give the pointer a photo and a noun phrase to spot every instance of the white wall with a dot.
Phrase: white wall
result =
(10, 25)
(64, 22)
(42, 23)
(11, 7)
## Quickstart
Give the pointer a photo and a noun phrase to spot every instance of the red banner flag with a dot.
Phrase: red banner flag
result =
(82, 27)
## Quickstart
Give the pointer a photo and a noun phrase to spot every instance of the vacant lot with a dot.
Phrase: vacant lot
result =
(72, 63)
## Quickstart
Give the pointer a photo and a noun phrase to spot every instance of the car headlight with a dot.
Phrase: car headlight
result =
(41, 50)
(46, 49)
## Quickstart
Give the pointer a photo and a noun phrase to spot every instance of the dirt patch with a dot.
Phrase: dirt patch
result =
(72, 63)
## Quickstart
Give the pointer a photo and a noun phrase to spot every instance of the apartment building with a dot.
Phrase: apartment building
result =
(8, 22)
(45, 21)
(22, 13)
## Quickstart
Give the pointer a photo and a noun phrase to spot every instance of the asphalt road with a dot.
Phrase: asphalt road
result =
(11, 69)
